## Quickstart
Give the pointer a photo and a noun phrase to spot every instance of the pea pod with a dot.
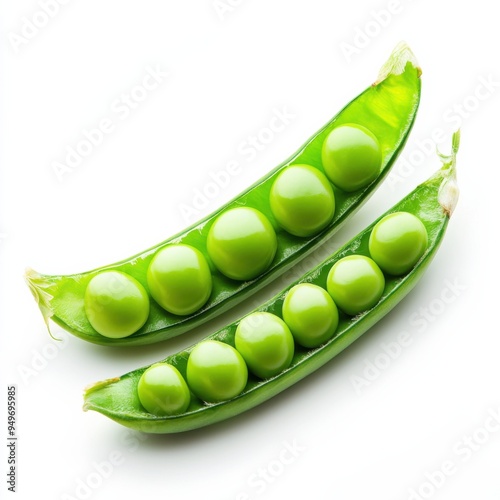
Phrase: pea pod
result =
(387, 108)
(432, 202)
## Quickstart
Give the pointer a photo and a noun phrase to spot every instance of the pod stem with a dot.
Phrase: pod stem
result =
(396, 64)
(40, 289)
(448, 191)
(96, 387)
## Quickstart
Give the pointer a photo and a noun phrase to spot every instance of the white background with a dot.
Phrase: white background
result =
(229, 70)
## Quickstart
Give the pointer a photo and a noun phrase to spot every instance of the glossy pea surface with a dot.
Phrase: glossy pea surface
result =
(179, 279)
(116, 399)
(351, 156)
(163, 391)
(216, 371)
(242, 243)
(265, 342)
(397, 242)
(355, 283)
(311, 314)
(387, 108)
(116, 304)
(302, 200)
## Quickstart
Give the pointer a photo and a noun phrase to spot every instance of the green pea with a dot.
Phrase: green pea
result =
(311, 314)
(216, 371)
(242, 243)
(112, 397)
(266, 344)
(116, 304)
(179, 279)
(302, 200)
(351, 156)
(163, 391)
(397, 242)
(355, 283)
(247, 256)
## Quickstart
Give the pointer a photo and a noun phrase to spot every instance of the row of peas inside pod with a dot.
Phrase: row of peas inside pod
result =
(264, 343)
(242, 242)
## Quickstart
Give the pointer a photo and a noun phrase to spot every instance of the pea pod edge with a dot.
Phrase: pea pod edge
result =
(433, 202)
(389, 106)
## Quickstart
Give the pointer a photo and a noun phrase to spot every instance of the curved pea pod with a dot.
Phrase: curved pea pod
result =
(387, 108)
(432, 202)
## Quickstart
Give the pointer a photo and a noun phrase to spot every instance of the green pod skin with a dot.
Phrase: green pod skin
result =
(387, 107)
(432, 202)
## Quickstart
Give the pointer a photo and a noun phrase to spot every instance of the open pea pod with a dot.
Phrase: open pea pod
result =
(432, 202)
(387, 108)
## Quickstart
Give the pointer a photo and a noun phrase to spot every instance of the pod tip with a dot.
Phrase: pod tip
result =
(448, 191)
(40, 288)
(95, 387)
(396, 64)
